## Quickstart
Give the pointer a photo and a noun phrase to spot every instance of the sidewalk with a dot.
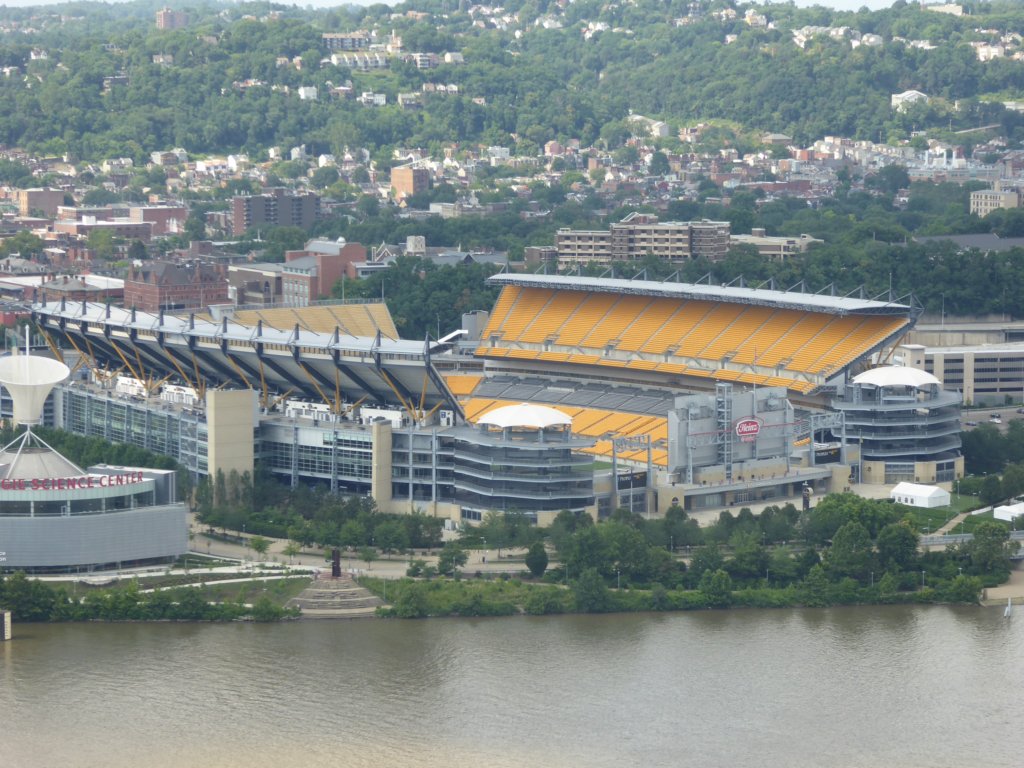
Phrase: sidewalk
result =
(391, 566)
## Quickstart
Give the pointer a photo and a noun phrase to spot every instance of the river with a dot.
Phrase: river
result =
(851, 687)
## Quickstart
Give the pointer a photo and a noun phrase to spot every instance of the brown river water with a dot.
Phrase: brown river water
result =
(891, 687)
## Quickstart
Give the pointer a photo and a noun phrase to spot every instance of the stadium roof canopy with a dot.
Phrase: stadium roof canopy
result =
(896, 376)
(808, 302)
(203, 352)
(527, 415)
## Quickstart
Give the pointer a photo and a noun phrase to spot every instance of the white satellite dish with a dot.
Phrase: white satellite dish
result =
(30, 380)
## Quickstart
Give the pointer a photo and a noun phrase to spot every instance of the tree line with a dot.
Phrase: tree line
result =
(31, 600)
(846, 550)
(515, 89)
(259, 504)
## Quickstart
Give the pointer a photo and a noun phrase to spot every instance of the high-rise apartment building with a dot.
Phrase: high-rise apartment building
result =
(168, 19)
(640, 235)
(276, 207)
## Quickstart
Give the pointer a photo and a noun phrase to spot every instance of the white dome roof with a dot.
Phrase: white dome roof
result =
(895, 376)
(525, 415)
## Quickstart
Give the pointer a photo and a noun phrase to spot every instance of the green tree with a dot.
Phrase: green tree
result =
(264, 609)
(716, 587)
(27, 599)
(390, 536)
(815, 587)
(707, 558)
(291, 549)
(101, 242)
(137, 251)
(782, 567)
(353, 534)
(991, 490)
(537, 559)
(259, 545)
(452, 557)
(590, 593)
(495, 531)
(368, 555)
(897, 547)
(411, 603)
(324, 177)
(24, 243)
(850, 553)
(990, 548)
(659, 164)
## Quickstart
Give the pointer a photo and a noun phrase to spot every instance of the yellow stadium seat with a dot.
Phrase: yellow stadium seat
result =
(587, 315)
(552, 316)
(462, 384)
(690, 314)
(647, 323)
(506, 299)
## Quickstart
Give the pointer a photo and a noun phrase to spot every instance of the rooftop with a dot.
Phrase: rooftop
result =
(814, 302)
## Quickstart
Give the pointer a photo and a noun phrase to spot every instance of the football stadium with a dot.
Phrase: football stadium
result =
(576, 393)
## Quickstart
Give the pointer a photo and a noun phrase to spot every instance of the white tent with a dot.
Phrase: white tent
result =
(914, 495)
(1008, 512)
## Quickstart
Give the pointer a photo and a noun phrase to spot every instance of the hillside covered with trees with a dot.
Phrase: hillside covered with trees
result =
(99, 81)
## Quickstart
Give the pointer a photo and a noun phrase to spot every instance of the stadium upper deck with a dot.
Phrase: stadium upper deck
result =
(700, 332)
(310, 353)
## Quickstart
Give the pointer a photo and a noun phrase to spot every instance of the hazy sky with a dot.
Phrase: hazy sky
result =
(846, 5)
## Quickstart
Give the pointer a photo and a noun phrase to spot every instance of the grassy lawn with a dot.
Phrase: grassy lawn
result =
(193, 560)
(930, 520)
(280, 591)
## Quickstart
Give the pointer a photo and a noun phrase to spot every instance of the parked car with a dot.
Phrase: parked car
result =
(970, 423)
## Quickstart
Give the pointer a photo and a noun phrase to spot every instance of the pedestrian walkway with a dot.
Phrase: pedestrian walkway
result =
(336, 598)
(953, 523)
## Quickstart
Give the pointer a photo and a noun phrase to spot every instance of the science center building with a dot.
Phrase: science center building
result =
(56, 516)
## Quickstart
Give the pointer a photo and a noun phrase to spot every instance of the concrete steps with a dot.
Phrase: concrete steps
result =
(340, 598)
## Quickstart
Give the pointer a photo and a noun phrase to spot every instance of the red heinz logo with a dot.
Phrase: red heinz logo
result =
(748, 429)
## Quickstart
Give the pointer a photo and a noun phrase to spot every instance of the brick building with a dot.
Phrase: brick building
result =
(122, 228)
(43, 201)
(81, 288)
(166, 219)
(157, 285)
(310, 274)
(408, 181)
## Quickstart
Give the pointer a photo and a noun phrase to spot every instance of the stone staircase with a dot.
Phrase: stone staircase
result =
(340, 598)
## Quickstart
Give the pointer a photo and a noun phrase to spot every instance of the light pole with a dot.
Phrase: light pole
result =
(618, 579)
(872, 579)
(922, 579)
